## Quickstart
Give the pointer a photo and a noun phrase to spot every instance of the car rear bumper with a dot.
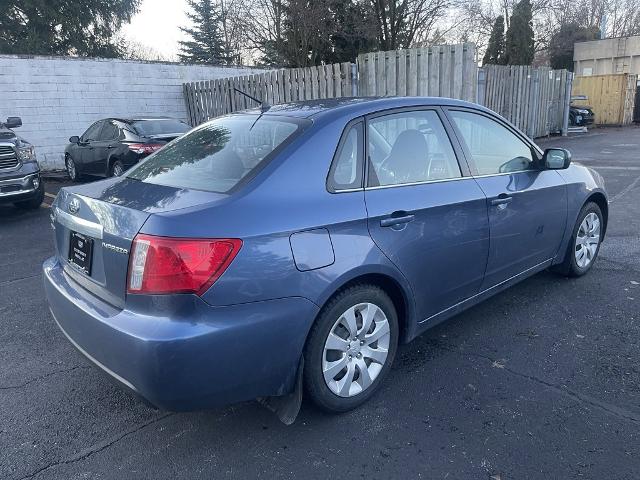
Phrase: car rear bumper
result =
(188, 355)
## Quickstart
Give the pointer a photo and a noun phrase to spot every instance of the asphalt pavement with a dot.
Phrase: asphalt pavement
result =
(539, 382)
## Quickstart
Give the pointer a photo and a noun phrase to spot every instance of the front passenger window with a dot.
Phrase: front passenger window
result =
(493, 147)
(92, 132)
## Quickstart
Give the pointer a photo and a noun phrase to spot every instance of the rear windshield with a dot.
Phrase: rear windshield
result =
(217, 155)
(160, 127)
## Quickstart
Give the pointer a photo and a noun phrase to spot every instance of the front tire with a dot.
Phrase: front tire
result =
(72, 169)
(584, 245)
(350, 348)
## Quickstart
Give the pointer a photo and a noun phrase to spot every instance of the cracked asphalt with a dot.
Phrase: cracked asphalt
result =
(539, 382)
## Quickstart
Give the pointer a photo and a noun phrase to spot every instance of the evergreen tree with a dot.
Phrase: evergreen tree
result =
(561, 43)
(353, 31)
(495, 50)
(519, 49)
(207, 41)
(63, 27)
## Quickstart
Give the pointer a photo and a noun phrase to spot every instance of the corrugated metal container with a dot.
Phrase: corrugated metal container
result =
(612, 97)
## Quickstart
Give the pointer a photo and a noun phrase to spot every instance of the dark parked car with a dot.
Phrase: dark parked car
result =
(581, 115)
(109, 147)
(20, 182)
(266, 252)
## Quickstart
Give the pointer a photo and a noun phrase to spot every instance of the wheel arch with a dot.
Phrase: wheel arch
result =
(400, 296)
(111, 159)
(599, 199)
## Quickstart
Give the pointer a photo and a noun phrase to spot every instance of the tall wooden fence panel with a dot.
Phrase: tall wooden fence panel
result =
(536, 100)
(439, 71)
(611, 96)
(209, 99)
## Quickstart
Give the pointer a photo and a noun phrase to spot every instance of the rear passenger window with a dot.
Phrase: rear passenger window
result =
(346, 169)
(409, 147)
(109, 131)
(493, 147)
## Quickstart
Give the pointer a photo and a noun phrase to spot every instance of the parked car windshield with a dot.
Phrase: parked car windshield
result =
(217, 155)
(159, 127)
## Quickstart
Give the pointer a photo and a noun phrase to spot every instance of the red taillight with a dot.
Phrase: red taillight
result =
(145, 147)
(160, 265)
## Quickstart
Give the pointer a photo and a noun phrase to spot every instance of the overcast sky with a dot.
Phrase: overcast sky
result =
(156, 25)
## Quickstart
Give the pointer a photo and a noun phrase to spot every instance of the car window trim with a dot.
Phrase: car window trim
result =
(343, 138)
(423, 182)
(465, 172)
(496, 118)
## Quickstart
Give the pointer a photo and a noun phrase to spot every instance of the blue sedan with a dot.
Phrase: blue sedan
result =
(269, 253)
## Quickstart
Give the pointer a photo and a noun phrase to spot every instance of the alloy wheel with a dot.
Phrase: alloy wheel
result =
(587, 240)
(356, 349)
(71, 168)
(118, 170)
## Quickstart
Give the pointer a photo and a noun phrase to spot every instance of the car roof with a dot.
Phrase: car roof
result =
(355, 106)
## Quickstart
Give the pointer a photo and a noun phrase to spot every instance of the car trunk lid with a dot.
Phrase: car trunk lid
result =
(95, 225)
(164, 137)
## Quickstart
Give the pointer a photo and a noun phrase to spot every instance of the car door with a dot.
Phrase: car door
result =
(425, 212)
(527, 205)
(103, 146)
(87, 147)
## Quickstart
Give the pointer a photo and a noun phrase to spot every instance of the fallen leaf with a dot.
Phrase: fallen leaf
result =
(633, 282)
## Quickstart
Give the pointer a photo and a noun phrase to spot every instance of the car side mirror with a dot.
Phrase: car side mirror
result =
(13, 122)
(556, 158)
(74, 139)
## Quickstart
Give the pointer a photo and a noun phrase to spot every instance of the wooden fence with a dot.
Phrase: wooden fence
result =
(440, 71)
(536, 100)
(611, 96)
(209, 99)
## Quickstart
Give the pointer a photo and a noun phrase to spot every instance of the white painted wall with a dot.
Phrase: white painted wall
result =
(607, 56)
(61, 96)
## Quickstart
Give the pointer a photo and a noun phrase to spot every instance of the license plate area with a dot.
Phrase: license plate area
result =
(80, 252)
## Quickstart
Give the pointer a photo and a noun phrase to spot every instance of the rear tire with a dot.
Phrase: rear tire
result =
(350, 348)
(585, 242)
(117, 169)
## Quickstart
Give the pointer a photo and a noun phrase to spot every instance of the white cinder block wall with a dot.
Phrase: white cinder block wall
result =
(61, 96)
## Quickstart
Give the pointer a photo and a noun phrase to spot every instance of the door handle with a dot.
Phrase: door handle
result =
(501, 199)
(397, 218)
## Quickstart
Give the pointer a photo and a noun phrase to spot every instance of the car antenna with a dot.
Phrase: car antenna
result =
(264, 106)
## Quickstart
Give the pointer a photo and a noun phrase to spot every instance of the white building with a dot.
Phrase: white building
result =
(608, 56)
